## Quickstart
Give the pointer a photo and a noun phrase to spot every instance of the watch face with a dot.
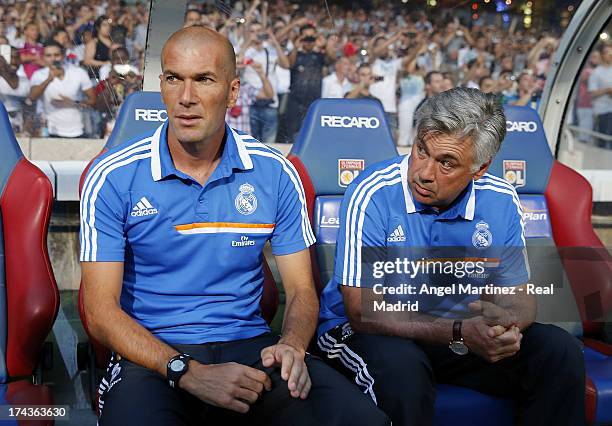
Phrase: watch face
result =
(458, 347)
(177, 365)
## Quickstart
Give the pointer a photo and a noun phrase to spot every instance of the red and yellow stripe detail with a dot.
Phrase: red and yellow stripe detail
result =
(225, 228)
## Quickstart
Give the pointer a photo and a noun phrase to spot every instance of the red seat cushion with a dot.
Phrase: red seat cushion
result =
(32, 294)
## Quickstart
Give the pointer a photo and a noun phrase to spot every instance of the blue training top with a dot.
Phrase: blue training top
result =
(192, 254)
(378, 211)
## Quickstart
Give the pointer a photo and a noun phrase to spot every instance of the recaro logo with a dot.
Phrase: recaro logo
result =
(150, 115)
(521, 126)
(349, 122)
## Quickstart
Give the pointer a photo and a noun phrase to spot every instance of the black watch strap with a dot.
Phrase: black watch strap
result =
(176, 368)
(457, 337)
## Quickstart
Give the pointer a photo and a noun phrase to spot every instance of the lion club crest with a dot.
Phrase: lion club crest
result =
(482, 237)
(348, 170)
(515, 172)
(246, 201)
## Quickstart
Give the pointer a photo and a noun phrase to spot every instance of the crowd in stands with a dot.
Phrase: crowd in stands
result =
(66, 66)
(70, 64)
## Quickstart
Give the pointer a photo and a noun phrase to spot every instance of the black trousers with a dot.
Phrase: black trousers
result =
(546, 378)
(131, 394)
(294, 116)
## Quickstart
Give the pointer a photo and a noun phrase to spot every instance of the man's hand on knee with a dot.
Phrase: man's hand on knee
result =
(230, 385)
(492, 343)
(293, 367)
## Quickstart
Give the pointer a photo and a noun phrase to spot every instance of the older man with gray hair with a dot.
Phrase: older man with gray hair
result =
(397, 325)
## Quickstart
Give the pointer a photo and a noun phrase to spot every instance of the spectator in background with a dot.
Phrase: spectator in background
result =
(506, 65)
(283, 79)
(434, 84)
(362, 88)
(238, 117)
(32, 51)
(61, 86)
(449, 81)
(584, 102)
(337, 84)
(192, 17)
(97, 50)
(412, 86)
(600, 89)
(83, 22)
(74, 54)
(475, 71)
(118, 80)
(261, 47)
(14, 88)
(306, 61)
(527, 92)
(385, 66)
(487, 84)
(505, 86)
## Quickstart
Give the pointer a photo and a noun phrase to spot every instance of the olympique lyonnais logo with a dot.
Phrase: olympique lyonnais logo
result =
(348, 170)
(515, 172)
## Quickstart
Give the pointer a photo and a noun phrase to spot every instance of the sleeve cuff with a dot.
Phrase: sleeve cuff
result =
(105, 256)
(288, 248)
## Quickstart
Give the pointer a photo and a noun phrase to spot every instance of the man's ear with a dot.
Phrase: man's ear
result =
(482, 170)
(233, 92)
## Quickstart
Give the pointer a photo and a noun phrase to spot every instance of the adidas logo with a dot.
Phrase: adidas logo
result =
(397, 236)
(143, 208)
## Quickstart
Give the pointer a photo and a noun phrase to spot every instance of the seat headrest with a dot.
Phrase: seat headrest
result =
(339, 138)
(10, 152)
(141, 113)
(525, 159)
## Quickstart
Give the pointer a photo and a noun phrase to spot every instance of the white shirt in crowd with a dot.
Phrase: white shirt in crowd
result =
(65, 122)
(385, 90)
(601, 78)
(283, 75)
(13, 98)
(334, 88)
(268, 64)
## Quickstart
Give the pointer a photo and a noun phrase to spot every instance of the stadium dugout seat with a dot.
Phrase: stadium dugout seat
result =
(332, 148)
(338, 139)
(140, 114)
(557, 205)
(29, 297)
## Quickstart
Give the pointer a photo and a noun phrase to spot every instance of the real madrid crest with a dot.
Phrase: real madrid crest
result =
(482, 237)
(246, 201)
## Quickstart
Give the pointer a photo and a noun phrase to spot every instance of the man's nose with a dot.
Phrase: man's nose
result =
(428, 172)
(187, 95)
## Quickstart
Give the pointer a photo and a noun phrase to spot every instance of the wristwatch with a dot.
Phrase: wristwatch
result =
(177, 367)
(456, 345)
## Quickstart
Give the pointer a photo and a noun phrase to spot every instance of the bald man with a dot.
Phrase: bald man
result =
(172, 232)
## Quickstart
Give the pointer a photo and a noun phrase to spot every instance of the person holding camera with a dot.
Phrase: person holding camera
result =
(385, 67)
(61, 87)
(239, 116)
(119, 79)
(527, 92)
(262, 47)
(306, 61)
(362, 88)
